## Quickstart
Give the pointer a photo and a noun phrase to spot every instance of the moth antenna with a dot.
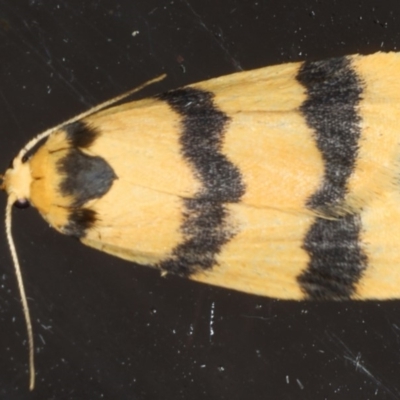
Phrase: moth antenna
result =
(10, 201)
(85, 114)
(12, 198)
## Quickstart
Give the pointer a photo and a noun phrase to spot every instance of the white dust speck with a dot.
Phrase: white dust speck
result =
(301, 386)
(212, 314)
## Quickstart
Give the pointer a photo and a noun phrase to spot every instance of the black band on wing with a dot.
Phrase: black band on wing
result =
(331, 109)
(205, 227)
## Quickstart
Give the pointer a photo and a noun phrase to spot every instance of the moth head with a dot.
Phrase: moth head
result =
(17, 181)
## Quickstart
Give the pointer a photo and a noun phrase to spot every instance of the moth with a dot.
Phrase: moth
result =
(281, 181)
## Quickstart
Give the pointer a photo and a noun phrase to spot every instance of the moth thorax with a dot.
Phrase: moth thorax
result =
(17, 180)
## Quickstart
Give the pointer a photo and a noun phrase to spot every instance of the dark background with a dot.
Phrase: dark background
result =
(107, 329)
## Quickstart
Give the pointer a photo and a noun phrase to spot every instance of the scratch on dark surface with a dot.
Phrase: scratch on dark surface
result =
(10, 111)
(218, 39)
(59, 75)
(120, 49)
(395, 326)
(212, 315)
(356, 360)
(100, 32)
(149, 37)
(44, 60)
(42, 338)
(395, 329)
(257, 317)
(301, 386)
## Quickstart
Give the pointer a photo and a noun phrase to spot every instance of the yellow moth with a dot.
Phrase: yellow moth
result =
(281, 181)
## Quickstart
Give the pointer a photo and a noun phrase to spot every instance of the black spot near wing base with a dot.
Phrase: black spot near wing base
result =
(337, 260)
(80, 134)
(205, 227)
(79, 221)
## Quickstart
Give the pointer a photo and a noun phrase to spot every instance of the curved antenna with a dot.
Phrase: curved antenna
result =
(85, 114)
(10, 201)
(12, 198)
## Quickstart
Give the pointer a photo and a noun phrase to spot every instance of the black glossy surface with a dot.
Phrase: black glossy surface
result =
(106, 329)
